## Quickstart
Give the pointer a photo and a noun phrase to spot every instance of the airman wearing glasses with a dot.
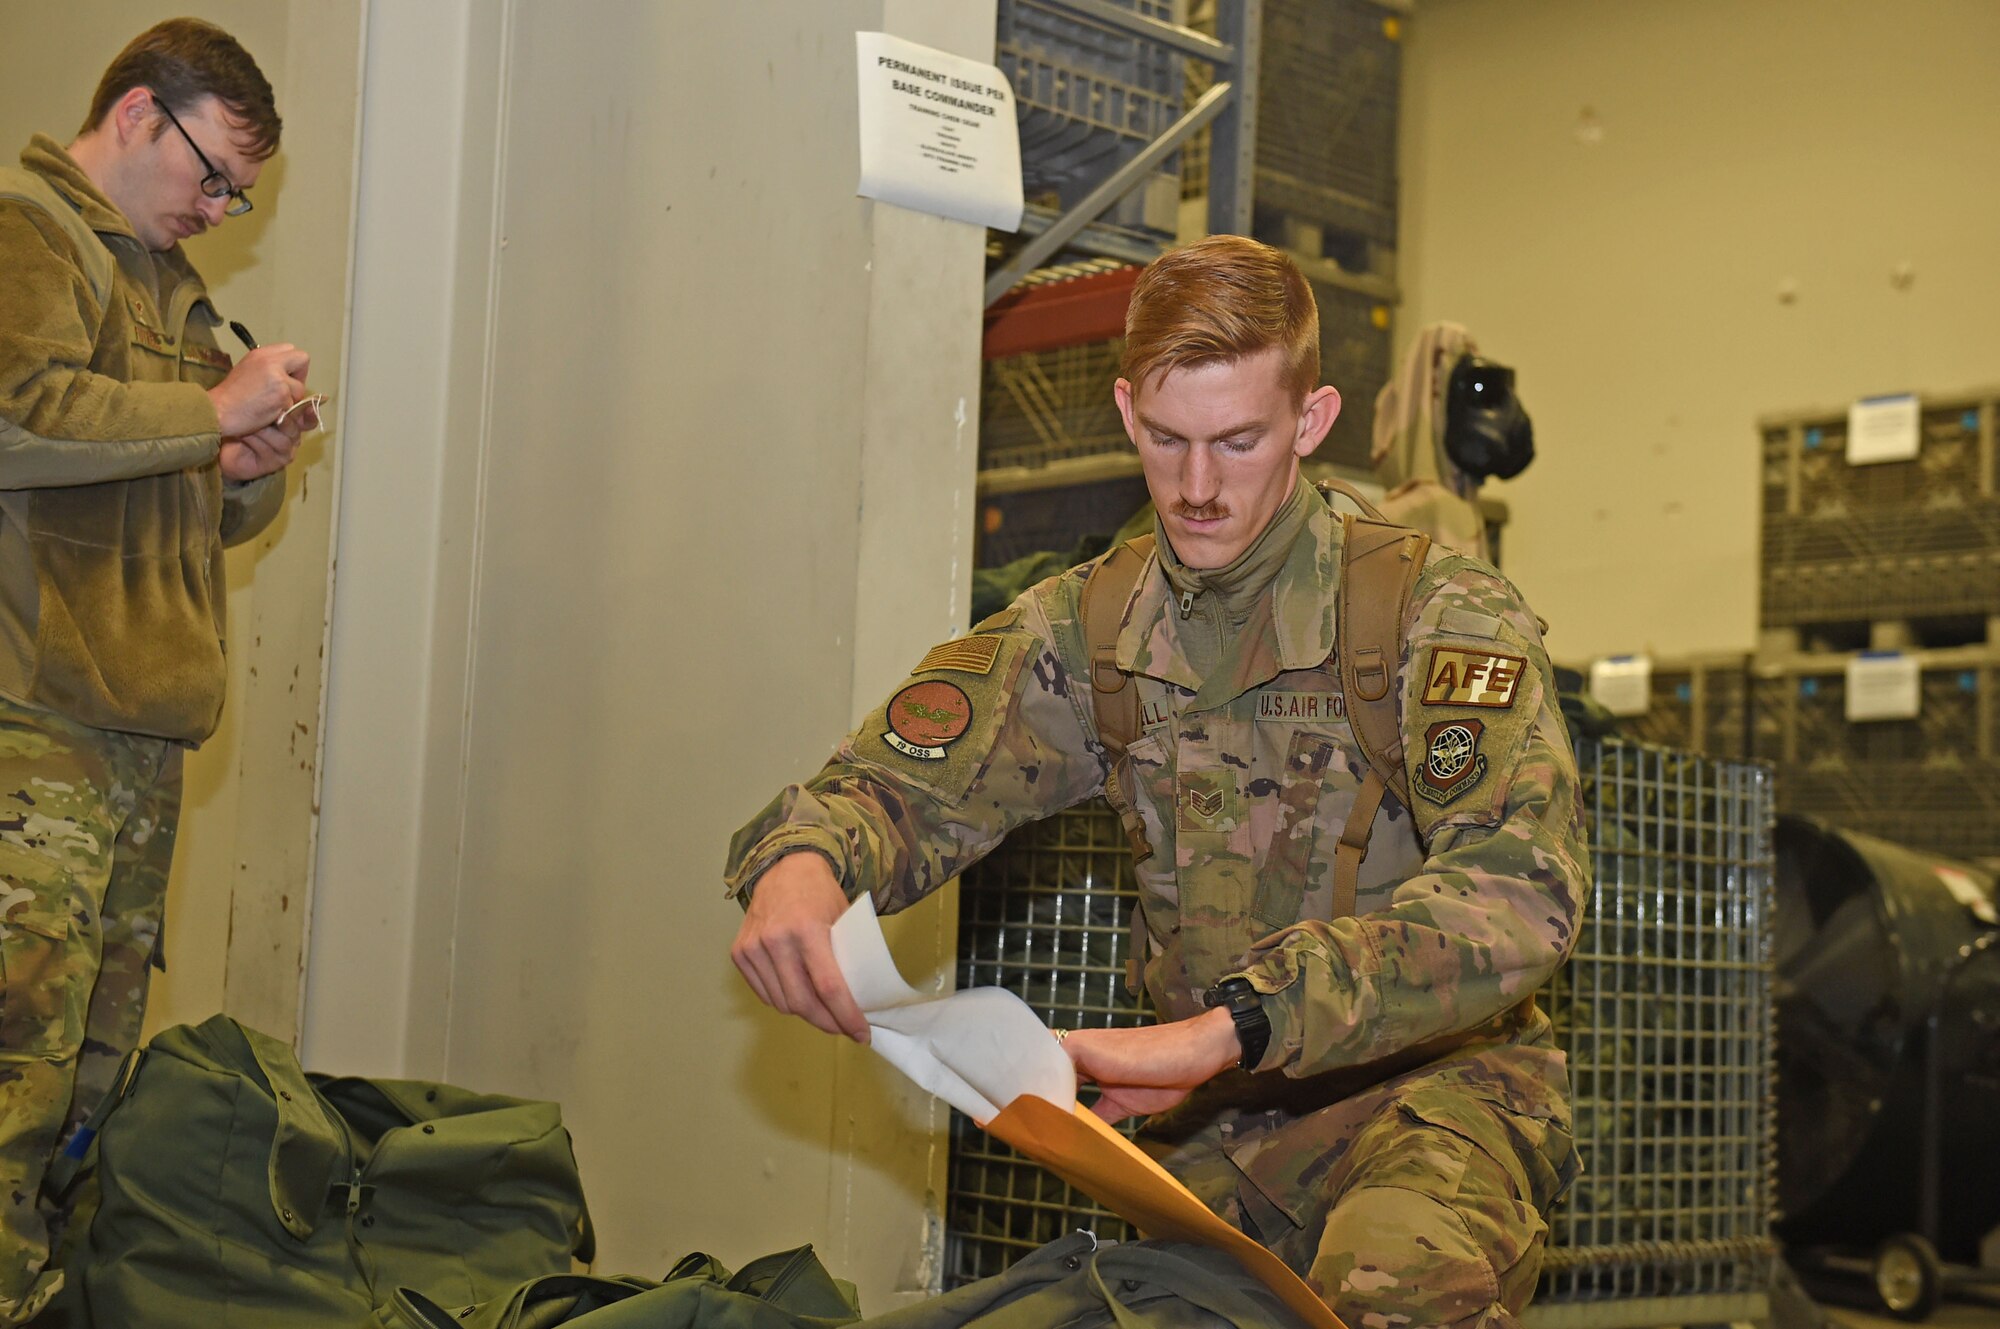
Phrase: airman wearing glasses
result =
(132, 450)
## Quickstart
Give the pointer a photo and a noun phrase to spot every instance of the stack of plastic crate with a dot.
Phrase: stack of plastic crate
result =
(1901, 555)
(1931, 781)
(1849, 547)
(1089, 96)
(1664, 1010)
(1329, 80)
(1698, 704)
(1354, 356)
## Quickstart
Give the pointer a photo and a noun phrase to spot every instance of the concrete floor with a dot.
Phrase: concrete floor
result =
(1951, 1315)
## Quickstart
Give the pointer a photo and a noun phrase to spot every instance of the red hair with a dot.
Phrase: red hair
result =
(1220, 299)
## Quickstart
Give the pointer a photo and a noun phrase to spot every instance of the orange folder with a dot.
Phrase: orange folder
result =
(1078, 1147)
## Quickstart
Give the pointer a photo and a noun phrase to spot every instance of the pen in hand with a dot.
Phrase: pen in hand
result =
(243, 334)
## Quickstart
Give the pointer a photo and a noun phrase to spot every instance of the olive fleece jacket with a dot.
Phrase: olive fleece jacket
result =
(113, 508)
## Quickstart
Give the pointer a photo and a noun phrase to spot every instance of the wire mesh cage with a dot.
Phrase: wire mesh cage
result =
(1665, 1012)
(1043, 406)
(1048, 917)
(1664, 1009)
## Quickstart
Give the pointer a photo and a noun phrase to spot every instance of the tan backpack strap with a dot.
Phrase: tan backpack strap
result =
(1114, 698)
(1346, 490)
(1353, 846)
(1379, 564)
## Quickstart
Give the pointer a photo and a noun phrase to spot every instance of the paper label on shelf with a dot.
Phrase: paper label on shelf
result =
(1623, 684)
(1883, 429)
(938, 132)
(1883, 685)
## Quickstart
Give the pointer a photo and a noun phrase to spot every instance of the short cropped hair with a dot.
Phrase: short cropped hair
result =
(1217, 300)
(183, 60)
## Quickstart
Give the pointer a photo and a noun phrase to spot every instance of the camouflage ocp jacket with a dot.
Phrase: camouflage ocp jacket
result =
(1243, 775)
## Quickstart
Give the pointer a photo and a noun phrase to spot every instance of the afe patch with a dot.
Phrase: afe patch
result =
(925, 718)
(968, 655)
(1452, 762)
(1462, 677)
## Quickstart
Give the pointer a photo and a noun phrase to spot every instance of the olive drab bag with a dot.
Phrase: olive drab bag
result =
(1078, 1284)
(232, 1189)
(788, 1290)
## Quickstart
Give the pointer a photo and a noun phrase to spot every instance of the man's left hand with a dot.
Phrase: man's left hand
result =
(1150, 1069)
(262, 452)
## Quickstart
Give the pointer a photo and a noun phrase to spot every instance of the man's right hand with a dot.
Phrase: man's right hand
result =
(263, 383)
(785, 947)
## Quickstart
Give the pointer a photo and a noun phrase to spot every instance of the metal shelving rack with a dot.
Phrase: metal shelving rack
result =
(1069, 79)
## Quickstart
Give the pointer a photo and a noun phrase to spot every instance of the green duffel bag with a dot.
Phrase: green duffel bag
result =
(232, 1189)
(788, 1290)
(1078, 1284)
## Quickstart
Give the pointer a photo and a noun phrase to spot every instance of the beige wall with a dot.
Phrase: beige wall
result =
(661, 465)
(240, 895)
(1633, 277)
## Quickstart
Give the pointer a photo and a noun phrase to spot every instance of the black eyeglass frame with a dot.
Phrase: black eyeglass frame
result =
(215, 184)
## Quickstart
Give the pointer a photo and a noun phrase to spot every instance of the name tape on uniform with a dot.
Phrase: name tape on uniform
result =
(1461, 677)
(1301, 706)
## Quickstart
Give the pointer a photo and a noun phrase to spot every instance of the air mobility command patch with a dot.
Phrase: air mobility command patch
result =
(1465, 676)
(926, 718)
(1452, 761)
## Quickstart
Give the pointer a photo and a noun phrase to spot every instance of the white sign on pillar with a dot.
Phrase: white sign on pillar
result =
(938, 133)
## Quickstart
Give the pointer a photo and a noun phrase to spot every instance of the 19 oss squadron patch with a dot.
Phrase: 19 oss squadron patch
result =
(1452, 761)
(1460, 676)
(925, 718)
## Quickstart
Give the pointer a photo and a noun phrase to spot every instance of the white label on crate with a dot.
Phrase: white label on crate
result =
(1883, 685)
(1882, 429)
(1623, 684)
(938, 133)
(1965, 889)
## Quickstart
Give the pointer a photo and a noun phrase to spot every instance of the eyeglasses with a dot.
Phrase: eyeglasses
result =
(215, 184)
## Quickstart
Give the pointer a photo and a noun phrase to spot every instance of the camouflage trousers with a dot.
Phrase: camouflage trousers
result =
(87, 821)
(1422, 1207)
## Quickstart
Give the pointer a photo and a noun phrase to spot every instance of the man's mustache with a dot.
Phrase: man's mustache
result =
(1211, 511)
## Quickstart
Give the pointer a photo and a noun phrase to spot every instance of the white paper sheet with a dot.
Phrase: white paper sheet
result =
(938, 132)
(1623, 684)
(1883, 429)
(977, 1049)
(1884, 685)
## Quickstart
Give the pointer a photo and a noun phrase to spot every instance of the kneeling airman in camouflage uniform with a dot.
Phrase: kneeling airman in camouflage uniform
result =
(1349, 1064)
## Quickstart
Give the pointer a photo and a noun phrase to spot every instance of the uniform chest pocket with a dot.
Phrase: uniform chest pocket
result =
(1281, 886)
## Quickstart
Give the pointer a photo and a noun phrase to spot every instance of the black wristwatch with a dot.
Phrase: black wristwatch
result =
(1246, 1008)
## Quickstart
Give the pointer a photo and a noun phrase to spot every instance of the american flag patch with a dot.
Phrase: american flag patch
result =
(968, 655)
